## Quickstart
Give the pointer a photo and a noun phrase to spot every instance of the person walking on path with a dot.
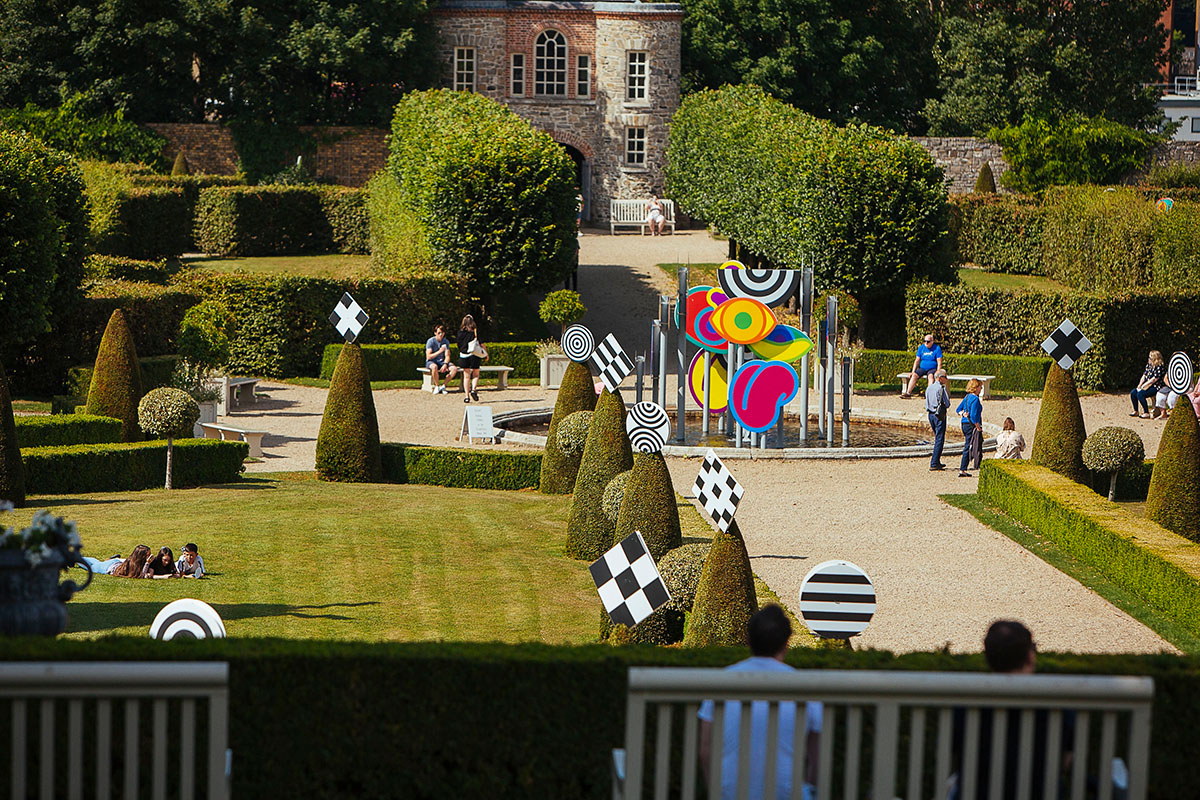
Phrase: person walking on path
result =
(928, 360)
(971, 411)
(937, 403)
(769, 632)
(1147, 388)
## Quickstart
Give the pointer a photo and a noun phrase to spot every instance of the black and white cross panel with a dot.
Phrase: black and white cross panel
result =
(348, 317)
(611, 362)
(717, 490)
(1066, 344)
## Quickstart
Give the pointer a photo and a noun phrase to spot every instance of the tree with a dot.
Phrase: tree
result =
(167, 413)
(649, 505)
(725, 597)
(562, 307)
(1111, 450)
(607, 452)
(1058, 441)
(576, 393)
(12, 472)
(1173, 499)
(116, 384)
(348, 442)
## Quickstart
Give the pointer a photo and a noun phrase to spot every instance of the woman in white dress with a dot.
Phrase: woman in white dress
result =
(654, 215)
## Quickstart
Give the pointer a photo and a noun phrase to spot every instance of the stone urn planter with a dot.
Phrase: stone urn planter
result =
(32, 601)
(553, 369)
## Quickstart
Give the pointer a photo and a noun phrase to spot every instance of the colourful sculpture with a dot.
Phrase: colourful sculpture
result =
(718, 390)
(759, 391)
(742, 320)
(784, 343)
(697, 326)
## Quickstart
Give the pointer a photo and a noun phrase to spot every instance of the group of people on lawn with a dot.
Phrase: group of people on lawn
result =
(141, 564)
(471, 354)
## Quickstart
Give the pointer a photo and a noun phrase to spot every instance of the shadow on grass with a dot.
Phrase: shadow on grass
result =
(84, 617)
(51, 502)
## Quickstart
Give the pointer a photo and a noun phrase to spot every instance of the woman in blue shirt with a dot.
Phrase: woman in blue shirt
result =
(971, 411)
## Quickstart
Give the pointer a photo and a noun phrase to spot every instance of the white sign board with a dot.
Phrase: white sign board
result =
(477, 423)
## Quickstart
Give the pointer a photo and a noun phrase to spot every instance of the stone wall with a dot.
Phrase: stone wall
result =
(962, 157)
(1177, 153)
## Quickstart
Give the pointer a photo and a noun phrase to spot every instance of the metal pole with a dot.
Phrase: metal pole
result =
(664, 324)
(846, 387)
(831, 323)
(640, 361)
(682, 363)
(652, 360)
(737, 429)
(805, 325)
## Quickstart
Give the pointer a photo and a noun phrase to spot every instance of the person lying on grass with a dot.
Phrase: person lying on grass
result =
(161, 566)
(190, 564)
(116, 566)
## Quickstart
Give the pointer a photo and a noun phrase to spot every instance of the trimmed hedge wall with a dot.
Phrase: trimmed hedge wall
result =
(492, 717)
(399, 362)
(143, 223)
(119, 268)
(999, 232)
(460, 468)
(156, 371)
(1013, 373)
(61, 429)
(1160, 567)
(281, 220)
(126, 467)
(1122, 327)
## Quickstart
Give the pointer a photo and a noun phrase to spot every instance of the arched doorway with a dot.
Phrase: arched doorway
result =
(583, 178)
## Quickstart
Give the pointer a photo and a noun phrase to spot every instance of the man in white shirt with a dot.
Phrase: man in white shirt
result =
(769, 632)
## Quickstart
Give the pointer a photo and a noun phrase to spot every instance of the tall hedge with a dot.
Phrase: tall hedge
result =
(865, 208)
(485, 194)
(999, 232)
(576, 393)
(12, 476)
(607, 452)
(116, 379)
(400, 362)
(1058, 442)
(1173, 500)
(280, 220)
(348, 443)
(725, 597)
(650, 506)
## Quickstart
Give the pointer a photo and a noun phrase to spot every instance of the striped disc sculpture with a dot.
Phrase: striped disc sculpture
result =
(837, 600)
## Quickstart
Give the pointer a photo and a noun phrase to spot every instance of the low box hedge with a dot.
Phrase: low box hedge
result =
(281, 220)
(1160, 567)
(1013, 373)
(399, 362)
(526, 722)
(156, 372)
(119, 268)
(461, 468)
(128, 467)
(66, 429)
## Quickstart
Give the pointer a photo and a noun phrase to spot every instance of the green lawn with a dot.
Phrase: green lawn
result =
(333, 265)
(977, 278)
(698, 274)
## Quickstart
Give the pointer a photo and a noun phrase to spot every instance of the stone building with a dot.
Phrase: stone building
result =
(602, 78)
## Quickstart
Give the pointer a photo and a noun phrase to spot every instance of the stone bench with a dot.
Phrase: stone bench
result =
(500, 372)
(230, 392)
(632, 214)
(214, 430)
(984, 394)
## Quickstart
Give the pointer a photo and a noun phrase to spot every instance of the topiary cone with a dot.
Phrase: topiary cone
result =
(607, 452)
(348, 444)
(180, 167)
(1173, 500)
(649, 506)
(985, 183)
(12, 472)
(576, 393)
(1058, 441)
(725, 598)
(116, 384)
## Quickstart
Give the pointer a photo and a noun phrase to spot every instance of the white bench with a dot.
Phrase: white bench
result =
(500, 372)
(632, 214)
(984, 394)
(230, 392)
(226, 433)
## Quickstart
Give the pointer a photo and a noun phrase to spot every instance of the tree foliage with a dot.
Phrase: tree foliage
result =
(12, 472)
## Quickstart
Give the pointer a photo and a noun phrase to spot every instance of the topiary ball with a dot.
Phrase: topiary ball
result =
(167, 413)
(614, 493)
(573, 432)
(1113, 449)
(680, 569)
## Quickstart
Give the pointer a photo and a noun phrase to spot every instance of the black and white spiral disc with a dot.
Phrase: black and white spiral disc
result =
(187, 619)
(648, 427)
(1179, 373)
(578, 343)
(768, 286)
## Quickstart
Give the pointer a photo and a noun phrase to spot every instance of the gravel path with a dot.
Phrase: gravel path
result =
(941, 576)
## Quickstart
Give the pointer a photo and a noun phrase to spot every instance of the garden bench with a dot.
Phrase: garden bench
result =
(632, 214)
(214, 430)
(984, 394)
(909, 719)
(500, 372)
(230, 390)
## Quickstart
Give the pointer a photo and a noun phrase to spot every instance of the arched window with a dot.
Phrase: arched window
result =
(550, 64)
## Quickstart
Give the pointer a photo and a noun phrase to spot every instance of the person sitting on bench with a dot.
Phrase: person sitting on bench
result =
(437, 360)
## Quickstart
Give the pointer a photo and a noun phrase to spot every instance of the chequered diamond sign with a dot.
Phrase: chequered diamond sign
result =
(629, 583)
(717, 490)
(611, 362)
(348, 317)
(1066, 344)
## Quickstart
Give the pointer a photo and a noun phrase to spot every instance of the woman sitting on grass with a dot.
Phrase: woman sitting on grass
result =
(116, 566)
(161, 566)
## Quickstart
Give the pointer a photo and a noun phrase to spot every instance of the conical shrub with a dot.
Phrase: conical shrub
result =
(576, 393)
(1173, 500)
(649, 505)
(725, 597)
(1058, 441)
(348, 444)
(664, 626)
(116, 384)
(180, 167)
(607, 452)
(12, 473)
(985, 183)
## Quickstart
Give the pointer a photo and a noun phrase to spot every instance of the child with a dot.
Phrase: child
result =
(190, 564)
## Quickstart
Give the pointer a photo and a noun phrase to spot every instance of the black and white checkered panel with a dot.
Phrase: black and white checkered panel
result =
(348, 317)
(611, 362)
(1066, 344)
(717, 490)
(629, 583)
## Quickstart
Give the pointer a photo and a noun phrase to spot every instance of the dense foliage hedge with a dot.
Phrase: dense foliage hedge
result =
(1060, 435)
(141, 215)
(12, 475)
(119, 268)
(1013, 373)
(607, 452)
(866, 209)
(1173, 497)
(481, 191)
(460, 468)
(71, 128)
(1122, 327)
(1160, 567)
(399, 362)
(127, 467)
(280, 220)
(649, 505)
(66, 429)
(560, 467)
(999, 232)
(725, 596)
(492, 716)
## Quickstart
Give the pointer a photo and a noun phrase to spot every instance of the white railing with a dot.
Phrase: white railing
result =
(1186, 84)
(902, 709)
(124, 729)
